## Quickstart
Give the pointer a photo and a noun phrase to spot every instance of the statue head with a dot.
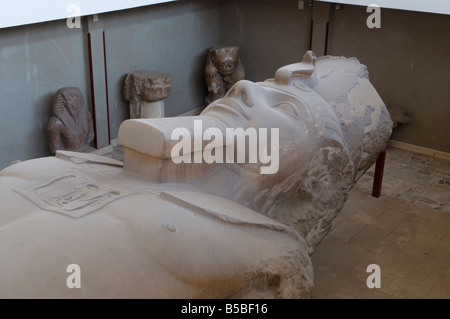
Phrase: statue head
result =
(68, 101)
(306, 122)
(330, 121)
(225, 59)
(316, 166)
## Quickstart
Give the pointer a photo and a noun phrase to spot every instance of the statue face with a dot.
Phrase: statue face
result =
(252, 105)
(155, 91)
(149, 91)
(225, 60)
(68, 101)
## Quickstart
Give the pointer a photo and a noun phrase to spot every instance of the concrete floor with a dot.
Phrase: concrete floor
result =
(406, 232)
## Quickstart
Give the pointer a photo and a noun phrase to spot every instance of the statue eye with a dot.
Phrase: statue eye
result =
(288, 108)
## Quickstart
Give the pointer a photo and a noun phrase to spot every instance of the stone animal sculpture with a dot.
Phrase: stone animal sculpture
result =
(157, 227)
(70, 128)
(223, 69)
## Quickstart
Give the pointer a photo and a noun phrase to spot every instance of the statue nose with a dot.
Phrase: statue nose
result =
(245, 90)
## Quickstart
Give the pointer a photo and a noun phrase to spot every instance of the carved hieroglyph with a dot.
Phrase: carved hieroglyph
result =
(223, 69)
(145, 91)
(70, 127)
(157, 229)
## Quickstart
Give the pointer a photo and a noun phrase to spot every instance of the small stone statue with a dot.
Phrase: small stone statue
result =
(223, 69)
(146, 90)
(70, 128)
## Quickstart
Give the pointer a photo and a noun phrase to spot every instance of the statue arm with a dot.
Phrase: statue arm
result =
(90, 135)
(213, 79)
(239, 72)
(55, 127)
(210, 69)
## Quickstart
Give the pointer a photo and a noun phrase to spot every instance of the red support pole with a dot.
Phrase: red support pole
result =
(378, 177)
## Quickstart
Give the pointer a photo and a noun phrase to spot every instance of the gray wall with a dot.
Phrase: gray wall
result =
(409, 65)
(270, 34)
(171, 38)
(407, 61)
(174, 38)
(35, 61)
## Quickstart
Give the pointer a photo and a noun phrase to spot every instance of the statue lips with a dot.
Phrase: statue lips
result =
(227, 71)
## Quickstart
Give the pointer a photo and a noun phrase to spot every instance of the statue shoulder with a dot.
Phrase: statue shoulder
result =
(55, 124)
(224, 210)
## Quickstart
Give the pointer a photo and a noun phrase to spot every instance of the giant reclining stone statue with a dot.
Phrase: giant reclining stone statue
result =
(157, 227)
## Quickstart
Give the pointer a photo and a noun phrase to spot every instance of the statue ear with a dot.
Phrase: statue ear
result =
(305, 70)
(233, 52)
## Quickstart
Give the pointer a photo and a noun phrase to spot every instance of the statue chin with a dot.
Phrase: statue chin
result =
(78, 225)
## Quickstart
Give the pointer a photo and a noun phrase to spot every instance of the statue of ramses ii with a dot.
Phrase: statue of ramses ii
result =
(227, 204)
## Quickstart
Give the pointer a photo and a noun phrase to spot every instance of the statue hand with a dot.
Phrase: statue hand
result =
(211, 71)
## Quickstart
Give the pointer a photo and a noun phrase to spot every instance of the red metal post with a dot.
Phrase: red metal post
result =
(378, 177)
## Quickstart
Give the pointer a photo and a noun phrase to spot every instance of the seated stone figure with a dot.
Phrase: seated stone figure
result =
(70, 128)
(223, 69)
(157, 227)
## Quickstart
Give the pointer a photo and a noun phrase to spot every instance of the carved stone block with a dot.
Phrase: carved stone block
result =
(145, 91)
